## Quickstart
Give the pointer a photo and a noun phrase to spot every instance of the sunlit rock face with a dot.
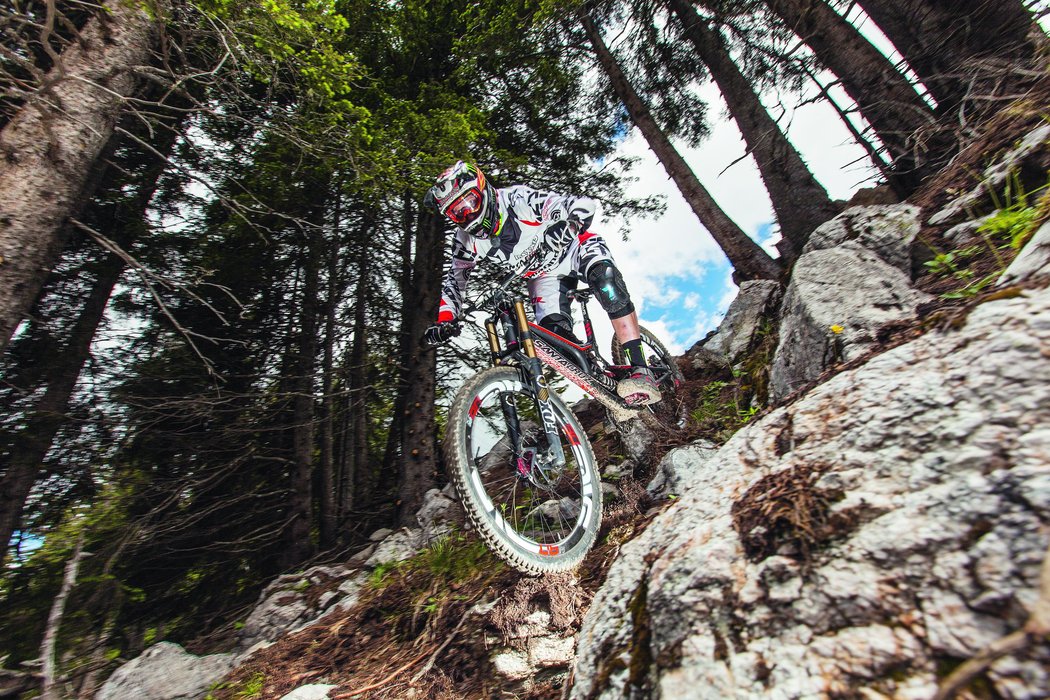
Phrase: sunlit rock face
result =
(860, 541)
(166, 672)
(853, 278)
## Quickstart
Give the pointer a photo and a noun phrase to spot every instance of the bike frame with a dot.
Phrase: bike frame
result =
(529, 347)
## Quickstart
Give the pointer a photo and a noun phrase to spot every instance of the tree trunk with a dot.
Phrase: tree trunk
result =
(358, 478)
(327, 501)
(54, 621)
(417, 434)
(800, 202)
(748, 259)
(943, 39)
(884, 97)
(48, 150)
(299, 545)
(387, 478)
(31, 444)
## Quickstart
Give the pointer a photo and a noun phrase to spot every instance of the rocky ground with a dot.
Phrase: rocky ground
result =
(883, 521)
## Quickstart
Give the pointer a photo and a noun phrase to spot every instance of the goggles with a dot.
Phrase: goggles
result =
(465, 208)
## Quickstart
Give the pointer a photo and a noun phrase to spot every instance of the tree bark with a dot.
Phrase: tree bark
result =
(884, 97)
(329, 514)
(299, 545)
(358, 478)
(33, 442)
(943, 39)
(748, 259)
(124, 220)
(54, 621)
(48, 150)
(417, 466)
(800, 202)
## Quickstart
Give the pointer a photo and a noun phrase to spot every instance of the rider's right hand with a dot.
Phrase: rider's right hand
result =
(439, 333)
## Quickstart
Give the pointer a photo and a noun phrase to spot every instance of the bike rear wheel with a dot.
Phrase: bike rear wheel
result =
(536, 517)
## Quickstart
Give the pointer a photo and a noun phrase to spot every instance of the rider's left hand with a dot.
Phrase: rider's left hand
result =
(440, 333)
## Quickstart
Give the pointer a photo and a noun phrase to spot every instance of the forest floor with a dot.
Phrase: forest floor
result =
(413, 633)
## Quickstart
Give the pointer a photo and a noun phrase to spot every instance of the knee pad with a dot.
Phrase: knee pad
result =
(609, 288)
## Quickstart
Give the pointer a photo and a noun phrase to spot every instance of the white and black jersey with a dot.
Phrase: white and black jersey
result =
(543, 236)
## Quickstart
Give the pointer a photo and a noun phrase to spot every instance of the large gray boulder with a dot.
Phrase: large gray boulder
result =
(747, 318)
(837, 300)
(166, 671)
(890, 522)
(888, 231)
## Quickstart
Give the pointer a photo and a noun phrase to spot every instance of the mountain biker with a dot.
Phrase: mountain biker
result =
(545, 238)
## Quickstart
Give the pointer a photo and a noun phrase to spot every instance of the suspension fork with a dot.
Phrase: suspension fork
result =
(540, 391)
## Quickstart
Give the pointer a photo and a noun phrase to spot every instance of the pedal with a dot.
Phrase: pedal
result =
(639, 399)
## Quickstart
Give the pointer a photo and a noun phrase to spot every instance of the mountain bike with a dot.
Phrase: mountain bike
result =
(520, 460)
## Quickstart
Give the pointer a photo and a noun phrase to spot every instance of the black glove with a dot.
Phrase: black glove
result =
(440, 333)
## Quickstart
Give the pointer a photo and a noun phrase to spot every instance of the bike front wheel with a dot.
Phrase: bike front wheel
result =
(536, 516)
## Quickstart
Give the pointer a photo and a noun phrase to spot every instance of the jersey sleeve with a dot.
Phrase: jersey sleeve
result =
(464, 259)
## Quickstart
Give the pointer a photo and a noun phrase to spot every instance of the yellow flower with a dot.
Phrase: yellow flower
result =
(836, 329)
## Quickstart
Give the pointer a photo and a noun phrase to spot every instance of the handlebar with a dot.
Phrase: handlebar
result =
(488, 300)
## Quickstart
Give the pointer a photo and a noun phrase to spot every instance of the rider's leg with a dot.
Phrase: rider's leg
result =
(611, 291)
(549, 293)
(629, 334)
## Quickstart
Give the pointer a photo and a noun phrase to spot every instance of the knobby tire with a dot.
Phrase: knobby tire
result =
(513, 515)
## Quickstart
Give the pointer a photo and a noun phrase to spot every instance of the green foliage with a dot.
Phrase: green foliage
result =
(248, 689)
(1016, 217)
(452, 558)
(949, 263)
(380, 575)
(1009, 228)
(718, 407)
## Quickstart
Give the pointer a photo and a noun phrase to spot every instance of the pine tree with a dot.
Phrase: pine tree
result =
(52, 144)
(747, 258)
(799, 201)
(882, 94)
(949, 44)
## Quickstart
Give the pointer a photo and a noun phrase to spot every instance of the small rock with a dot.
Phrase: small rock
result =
(403, 544)
(512, 665)
(380, 534)
(546, 652)
(316, 691)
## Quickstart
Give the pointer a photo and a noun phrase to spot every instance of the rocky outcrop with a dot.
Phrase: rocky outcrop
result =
(887, 231)
(853, 278)
(294, 601)
(747, 318)
(857, 542)
(173, 674)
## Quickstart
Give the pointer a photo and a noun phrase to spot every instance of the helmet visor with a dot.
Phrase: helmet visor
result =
(465, 208)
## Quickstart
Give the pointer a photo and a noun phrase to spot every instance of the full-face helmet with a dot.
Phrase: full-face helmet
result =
(464, 196)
